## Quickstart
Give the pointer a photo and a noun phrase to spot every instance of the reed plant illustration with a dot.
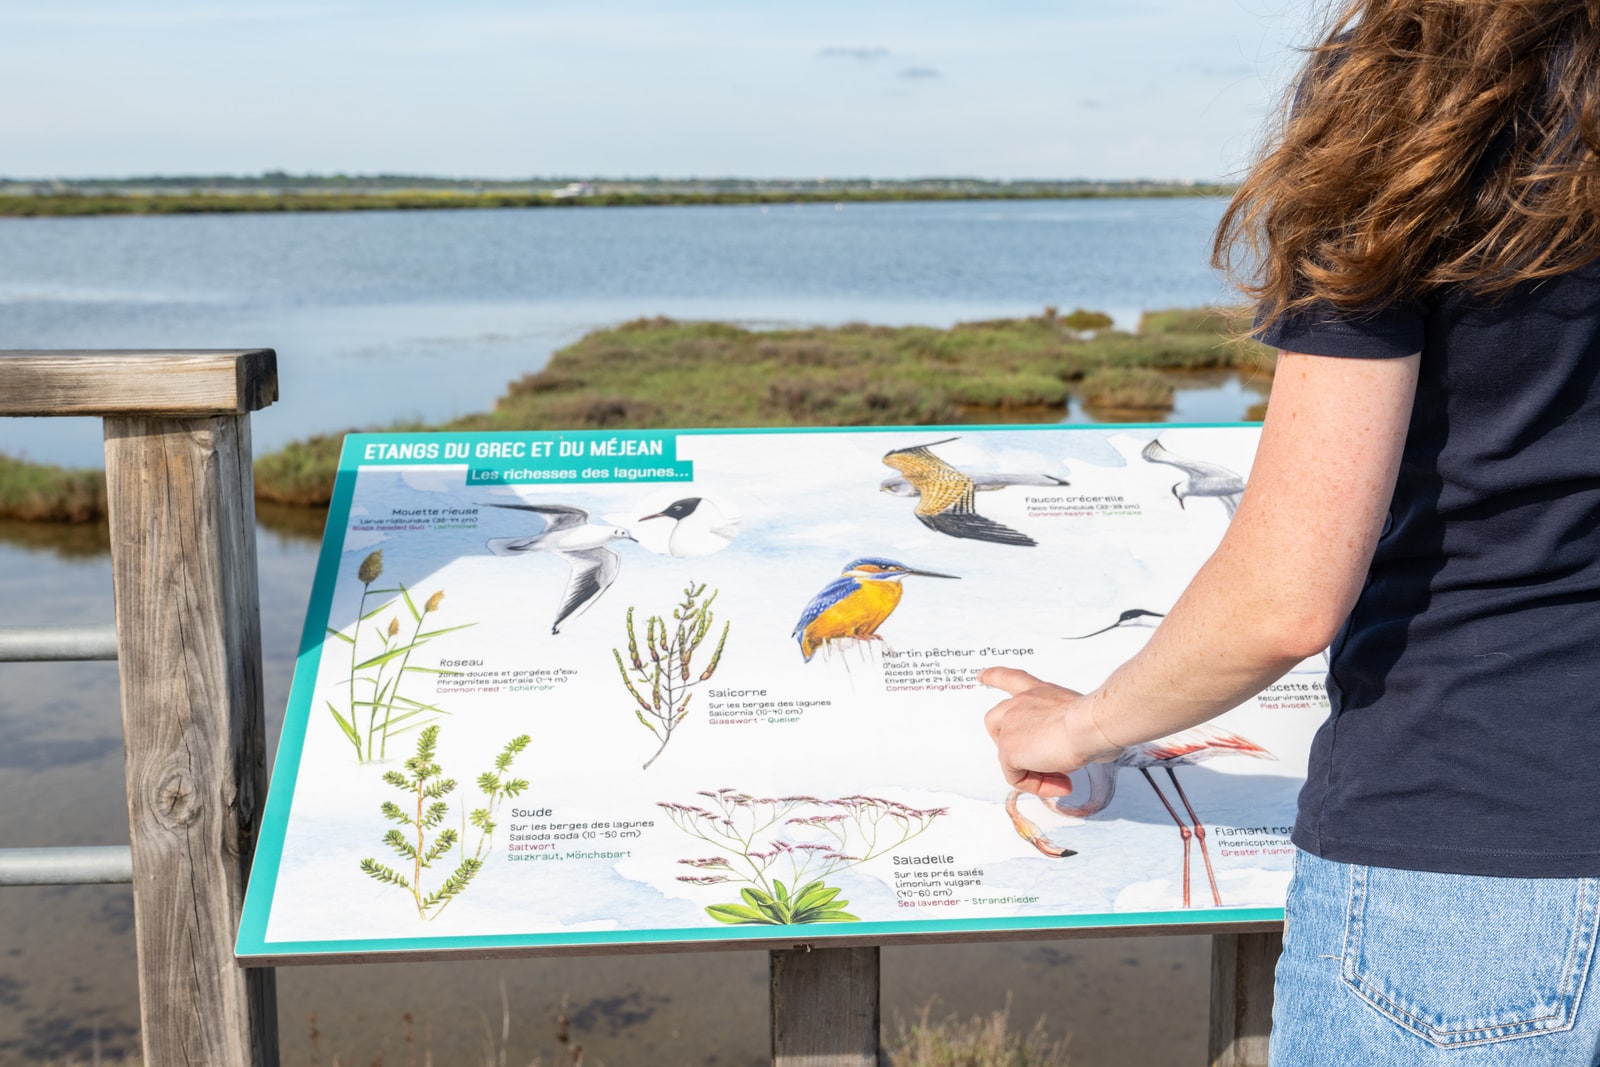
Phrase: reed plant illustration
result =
(377, 669)
(669, 674)
(781, 850)
(418, 839)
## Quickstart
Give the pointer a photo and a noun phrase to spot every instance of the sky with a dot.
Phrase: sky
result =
(1006, 89)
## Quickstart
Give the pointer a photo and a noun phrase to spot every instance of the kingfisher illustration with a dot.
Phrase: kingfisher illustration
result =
(568, 533)
(944, 496)
(854, 605)
(1203, 479)
(1183, 749)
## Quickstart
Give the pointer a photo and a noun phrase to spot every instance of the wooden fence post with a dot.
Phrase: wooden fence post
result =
(1241, 997)
(825, 1007)
(182, 514)
(182, 517)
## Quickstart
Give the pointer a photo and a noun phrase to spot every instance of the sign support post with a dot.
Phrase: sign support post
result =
(1242, 967)
(824, 1007)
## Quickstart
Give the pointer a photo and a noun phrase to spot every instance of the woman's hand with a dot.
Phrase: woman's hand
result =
(1043, 732)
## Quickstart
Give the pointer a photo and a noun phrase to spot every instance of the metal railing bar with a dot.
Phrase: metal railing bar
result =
(76, 865)
(33, 644)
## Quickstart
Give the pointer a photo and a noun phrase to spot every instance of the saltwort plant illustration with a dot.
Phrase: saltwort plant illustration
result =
(424, 780)
(803, 839)
(669, 675)
(378, 669)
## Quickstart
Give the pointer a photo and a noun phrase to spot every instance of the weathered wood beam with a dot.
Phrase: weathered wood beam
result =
(104, 382)
(1242, 968)
(183, 557)
(825, 1007)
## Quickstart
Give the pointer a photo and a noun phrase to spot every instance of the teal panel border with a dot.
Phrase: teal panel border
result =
(286, 767)
(252, 941)
(757, 936)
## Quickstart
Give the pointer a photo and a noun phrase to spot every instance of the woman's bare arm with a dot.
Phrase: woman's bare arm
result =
(1276, 590)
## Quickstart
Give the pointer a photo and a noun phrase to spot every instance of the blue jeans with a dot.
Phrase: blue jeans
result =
(1389, 968)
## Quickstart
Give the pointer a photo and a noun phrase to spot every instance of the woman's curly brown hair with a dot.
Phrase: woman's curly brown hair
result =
(1430, 143)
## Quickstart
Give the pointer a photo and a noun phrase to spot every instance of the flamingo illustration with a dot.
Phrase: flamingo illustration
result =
(1168, 753)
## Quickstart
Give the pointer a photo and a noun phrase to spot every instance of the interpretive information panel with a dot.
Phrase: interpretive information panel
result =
(565, 690)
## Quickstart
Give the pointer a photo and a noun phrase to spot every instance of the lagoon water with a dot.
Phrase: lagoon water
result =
(389, 315)
(385, 316)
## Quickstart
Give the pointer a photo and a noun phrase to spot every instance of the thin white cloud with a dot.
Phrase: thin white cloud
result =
(864, 55)
(919, 74)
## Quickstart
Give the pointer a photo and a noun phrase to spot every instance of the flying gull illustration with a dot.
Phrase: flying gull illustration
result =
(1203, 479)
(945, 495)
(699, 526)
(568, 533)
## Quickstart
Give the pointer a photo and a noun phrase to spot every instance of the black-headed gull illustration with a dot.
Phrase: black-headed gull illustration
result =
(699, 526)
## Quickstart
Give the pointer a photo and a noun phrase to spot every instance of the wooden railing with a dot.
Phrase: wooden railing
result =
(183, 558)
(182, 519)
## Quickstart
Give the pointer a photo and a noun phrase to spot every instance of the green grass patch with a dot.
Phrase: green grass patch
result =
(982, 1041)
(661, 373)
(38, 492)
(1127, 388)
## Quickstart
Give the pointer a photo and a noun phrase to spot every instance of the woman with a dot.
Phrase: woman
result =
(1426, 499)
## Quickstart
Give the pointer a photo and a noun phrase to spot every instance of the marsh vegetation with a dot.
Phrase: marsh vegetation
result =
(660, 373)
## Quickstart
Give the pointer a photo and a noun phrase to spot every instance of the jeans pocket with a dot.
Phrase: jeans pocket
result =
(1464, 960)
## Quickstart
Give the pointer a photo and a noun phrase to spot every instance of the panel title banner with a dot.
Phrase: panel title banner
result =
(579, 457)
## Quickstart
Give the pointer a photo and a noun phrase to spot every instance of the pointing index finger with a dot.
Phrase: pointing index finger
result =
(1009, 680)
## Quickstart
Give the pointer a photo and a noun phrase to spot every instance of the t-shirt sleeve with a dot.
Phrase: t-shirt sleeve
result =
(1386, 333)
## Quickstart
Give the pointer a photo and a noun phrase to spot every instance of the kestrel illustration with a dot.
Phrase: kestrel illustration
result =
(945, 497)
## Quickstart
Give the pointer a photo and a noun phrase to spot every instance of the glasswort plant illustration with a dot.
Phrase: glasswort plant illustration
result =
(668, 676)
(807, 839)
(399, 714)
(425, 781)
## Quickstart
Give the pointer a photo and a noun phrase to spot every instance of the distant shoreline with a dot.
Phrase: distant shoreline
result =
(77, 204)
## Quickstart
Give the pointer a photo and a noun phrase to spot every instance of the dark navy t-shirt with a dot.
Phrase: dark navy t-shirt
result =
(1465, 730)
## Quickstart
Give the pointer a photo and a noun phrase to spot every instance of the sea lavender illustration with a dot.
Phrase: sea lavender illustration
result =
(781, 850)
(425, 781)
(669, 674)
(378, 668)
